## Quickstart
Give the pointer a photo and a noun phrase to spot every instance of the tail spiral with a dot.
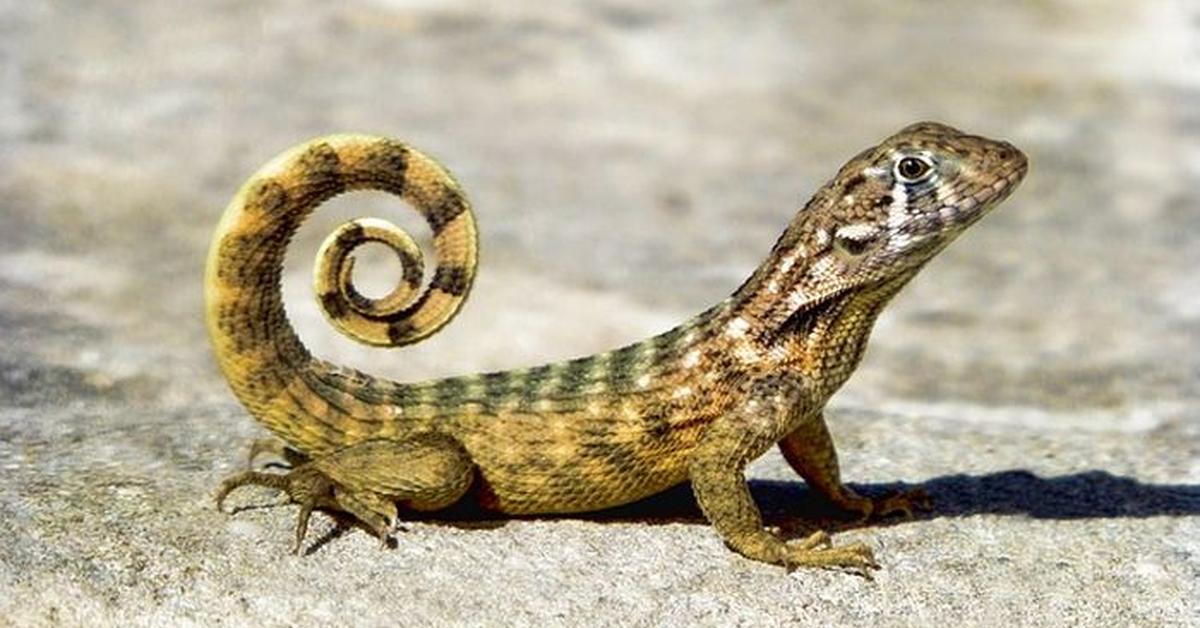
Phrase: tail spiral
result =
(256, 347)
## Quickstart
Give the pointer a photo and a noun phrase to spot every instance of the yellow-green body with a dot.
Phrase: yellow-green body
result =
(697, 403)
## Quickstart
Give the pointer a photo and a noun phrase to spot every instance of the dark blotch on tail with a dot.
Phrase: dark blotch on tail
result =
(268, 197)
(333, 304)
(322, 171)
(411, 271)
(386, 163)
(451, 280)
(350, 234)
(445, 208)
(400, 331)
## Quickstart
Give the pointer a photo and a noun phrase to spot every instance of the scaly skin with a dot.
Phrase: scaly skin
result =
(698, 402)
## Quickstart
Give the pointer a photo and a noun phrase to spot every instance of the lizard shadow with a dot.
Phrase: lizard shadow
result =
(794, 508)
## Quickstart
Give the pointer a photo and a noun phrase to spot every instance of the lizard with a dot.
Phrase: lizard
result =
(696, 403)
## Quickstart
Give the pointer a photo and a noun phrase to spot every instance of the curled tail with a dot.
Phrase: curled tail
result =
(258, 351)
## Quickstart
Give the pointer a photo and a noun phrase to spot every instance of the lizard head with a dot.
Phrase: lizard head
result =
(895, 205)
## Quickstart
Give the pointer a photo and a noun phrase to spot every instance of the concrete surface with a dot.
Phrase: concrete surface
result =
(631, 162)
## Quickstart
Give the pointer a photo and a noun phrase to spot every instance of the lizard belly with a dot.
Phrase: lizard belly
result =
(568, 462)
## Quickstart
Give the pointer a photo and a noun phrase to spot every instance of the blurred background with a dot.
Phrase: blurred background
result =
(630, 163)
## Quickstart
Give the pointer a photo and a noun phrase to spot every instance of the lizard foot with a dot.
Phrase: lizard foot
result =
(818, 551)
(311, 489)
(902, 503)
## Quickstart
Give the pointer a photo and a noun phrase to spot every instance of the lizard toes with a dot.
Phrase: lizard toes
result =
(904, 503)
(855, 557)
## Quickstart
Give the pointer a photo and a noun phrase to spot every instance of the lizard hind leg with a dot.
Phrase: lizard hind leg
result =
(366, 480)
(427, 471)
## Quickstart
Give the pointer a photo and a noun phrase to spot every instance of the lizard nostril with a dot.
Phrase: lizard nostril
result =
(1004, 153)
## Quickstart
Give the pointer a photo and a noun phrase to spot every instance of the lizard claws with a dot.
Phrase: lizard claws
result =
(858, 558)
(278, 482)
(903, 503)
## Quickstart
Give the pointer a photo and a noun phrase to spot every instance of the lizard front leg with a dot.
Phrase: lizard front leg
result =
(810, 452)
(717, 472)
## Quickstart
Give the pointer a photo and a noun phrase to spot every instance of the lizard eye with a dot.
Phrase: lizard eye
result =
(913, 169)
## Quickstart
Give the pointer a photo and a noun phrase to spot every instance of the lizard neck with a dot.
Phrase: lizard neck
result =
(816, 328)
(829, 341)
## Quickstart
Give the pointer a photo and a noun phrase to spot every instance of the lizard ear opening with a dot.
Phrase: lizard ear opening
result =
(854, 240)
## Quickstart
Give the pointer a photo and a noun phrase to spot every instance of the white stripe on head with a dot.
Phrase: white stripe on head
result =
(898, 210)
(856, 231)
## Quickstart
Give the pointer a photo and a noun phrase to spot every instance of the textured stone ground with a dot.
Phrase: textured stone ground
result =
(630, 165)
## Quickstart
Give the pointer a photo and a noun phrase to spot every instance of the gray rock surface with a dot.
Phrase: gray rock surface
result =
(630, 162)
